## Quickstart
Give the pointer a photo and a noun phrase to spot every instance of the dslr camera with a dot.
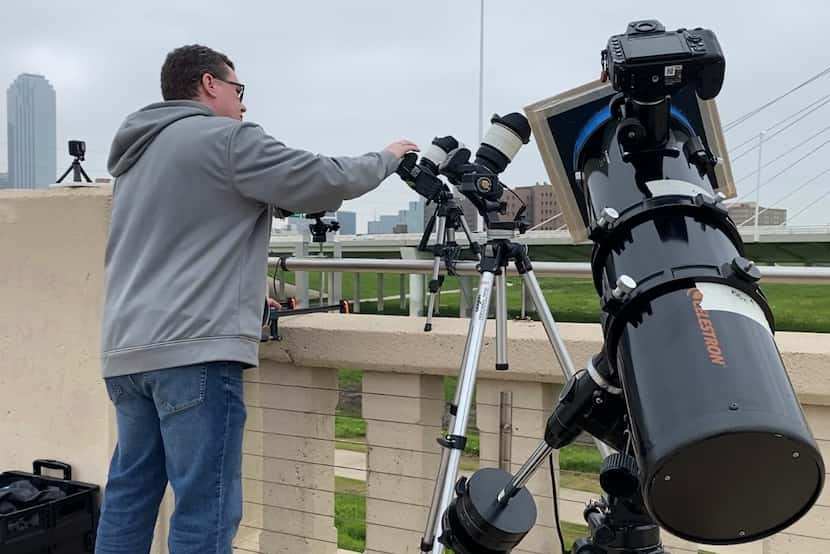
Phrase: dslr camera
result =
(647, 62)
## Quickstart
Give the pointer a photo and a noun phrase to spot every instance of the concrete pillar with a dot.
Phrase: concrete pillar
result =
(301, 277)
(532, 403)
(356, 292)
(416, 282)
(337, 278)
(403, 290)
(379, 289)
(403, 419)
(288, 459)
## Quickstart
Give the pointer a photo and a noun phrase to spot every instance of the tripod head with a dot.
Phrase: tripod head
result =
(478, 180)
(321, 227)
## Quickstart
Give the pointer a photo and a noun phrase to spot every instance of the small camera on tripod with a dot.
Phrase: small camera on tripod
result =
(77, 149)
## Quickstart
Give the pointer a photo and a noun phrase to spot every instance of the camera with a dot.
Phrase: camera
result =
(77, 149)
(422, 176)
(479, 181)
(647, 62)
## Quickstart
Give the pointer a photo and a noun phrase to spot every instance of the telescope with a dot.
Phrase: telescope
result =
(689, 389)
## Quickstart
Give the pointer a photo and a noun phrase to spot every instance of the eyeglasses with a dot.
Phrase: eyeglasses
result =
(240, 88)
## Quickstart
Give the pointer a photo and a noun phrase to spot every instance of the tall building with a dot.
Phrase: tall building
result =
(384, 225)
(542, 205)
(348, 222)
(414, 216)
(4, 180)
(412, 219)
(744, 213)
(31, 119)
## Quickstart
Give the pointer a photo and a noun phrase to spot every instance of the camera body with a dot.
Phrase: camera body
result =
(648, 62)
(420, 177)
(77, 148)
(481, 183)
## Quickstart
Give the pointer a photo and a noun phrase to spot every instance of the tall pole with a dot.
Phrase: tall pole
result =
(758, 182)
(481, 76)
(479, 219)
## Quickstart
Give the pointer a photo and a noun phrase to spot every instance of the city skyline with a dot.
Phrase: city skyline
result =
(31, 132)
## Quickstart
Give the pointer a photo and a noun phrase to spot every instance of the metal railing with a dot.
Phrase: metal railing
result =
(331, 270)
(799, 274)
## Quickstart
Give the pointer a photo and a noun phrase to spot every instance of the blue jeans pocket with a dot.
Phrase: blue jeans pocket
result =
(114, 389)
(178, 389)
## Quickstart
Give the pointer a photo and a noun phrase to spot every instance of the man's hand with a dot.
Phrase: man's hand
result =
(273, 303)
(401, 147)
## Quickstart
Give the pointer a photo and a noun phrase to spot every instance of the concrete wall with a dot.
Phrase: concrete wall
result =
(53, 403)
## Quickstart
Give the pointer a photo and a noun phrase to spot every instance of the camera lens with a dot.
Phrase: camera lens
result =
(437, 152)
(504, 138)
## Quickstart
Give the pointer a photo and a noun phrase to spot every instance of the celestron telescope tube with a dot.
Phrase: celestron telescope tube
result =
(724, 451)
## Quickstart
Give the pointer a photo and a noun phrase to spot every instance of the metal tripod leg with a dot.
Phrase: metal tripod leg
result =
(453, 442)
(549, 323)
(501, 322)
(469, 234)
(559, 348)
(440, 240)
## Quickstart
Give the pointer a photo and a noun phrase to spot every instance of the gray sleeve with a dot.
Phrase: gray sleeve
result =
(264, 169)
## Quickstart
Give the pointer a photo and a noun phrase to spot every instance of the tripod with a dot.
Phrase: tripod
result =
(448, 217)
(499, 251)
(77, 171)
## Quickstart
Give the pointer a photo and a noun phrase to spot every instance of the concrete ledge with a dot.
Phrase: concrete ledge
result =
(399, 345)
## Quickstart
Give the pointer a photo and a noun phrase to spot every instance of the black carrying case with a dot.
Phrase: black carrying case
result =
(63, 526)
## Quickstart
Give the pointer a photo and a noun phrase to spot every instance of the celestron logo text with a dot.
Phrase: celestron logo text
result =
(704, 323)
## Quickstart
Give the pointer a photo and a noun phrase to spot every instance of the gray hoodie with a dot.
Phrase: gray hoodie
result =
(186, 257)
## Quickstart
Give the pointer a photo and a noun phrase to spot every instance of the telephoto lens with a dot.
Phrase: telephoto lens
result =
(503, 140)
(436, 153)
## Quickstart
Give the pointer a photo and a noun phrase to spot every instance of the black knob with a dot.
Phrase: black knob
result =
(631, 132)
(618, 475)
(746, 269)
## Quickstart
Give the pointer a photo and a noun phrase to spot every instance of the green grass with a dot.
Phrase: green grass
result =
(349, 379)
(349, 427)
(580, 482)
(582, 459)
(350, 513)
(797, 307)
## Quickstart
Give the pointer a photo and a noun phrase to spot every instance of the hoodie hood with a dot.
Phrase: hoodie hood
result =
(143, 126)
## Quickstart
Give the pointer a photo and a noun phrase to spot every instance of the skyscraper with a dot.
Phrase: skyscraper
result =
(31, 132)
(348, 222)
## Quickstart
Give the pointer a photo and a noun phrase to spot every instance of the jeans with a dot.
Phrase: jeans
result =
(183, 425)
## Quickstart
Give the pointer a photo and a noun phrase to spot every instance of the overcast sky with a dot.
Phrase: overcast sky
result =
(345, 78)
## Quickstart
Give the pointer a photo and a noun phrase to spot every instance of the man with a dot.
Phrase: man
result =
(193, 198)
